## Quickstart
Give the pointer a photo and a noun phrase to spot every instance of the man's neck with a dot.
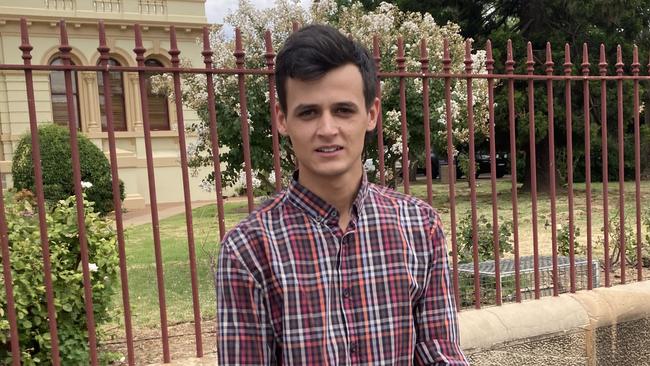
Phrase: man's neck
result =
(339, 192)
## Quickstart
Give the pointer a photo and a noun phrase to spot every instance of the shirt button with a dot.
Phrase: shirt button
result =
(353, 348)
(346, 292)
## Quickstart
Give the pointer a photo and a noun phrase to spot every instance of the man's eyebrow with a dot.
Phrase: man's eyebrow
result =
(302, 107)
(350, 105)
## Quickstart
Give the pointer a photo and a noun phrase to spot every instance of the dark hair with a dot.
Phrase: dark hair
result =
(316, 49)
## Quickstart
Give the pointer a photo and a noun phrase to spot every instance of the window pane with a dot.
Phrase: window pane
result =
(117, 98)
(58, 95)
(158, 107)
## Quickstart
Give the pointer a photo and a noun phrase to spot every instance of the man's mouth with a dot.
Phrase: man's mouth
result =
(329, 149)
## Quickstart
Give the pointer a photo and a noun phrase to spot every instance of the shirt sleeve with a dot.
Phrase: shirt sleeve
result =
(244, 331)
(436, 321)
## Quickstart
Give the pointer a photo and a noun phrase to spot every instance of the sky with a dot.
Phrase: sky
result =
(215, 10)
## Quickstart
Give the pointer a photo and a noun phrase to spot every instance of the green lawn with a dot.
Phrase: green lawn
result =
(173, 233)
(140, 252)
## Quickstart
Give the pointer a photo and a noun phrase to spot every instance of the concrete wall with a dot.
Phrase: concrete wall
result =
(606, 326)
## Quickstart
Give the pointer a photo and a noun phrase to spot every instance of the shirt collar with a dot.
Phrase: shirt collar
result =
(317, 207)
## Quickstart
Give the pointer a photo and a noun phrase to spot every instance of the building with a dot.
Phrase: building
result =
(81, 16)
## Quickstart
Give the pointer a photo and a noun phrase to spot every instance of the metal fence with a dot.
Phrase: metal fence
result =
(509, 78)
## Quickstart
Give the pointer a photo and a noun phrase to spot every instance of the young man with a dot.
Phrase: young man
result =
(334, 270)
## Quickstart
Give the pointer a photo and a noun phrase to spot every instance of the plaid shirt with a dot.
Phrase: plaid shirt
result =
(294, 289)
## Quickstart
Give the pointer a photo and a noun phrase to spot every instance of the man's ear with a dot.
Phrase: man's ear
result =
(281, 120)
(373, 113)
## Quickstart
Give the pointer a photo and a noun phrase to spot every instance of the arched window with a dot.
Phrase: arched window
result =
(158, 108)
(117, 98)
(58, 95)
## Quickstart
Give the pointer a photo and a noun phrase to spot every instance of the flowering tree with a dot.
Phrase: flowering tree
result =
(387, 22)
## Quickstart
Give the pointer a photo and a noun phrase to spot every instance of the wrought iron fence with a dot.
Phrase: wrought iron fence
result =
(508, 80)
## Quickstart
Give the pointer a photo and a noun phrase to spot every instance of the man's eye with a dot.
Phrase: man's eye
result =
(307, 113)
(344, 111)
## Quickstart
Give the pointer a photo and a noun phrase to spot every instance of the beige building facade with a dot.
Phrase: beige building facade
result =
(81, 16)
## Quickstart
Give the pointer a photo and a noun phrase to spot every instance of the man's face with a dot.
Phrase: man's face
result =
(326, 120)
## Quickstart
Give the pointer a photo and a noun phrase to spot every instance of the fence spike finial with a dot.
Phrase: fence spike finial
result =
(585, 59)
(139, 49)
(510, 62)
(239, 49)
(602, 65)
(375, 52)
(173, 47)
(424, 56)
(529, 58)
(446, 58)
(549, 59)
(489, 59)
(619, 60)
(468, 56)
(567, 59)
(207, 50)
(24, 42)
(635, 60)
(400, 55)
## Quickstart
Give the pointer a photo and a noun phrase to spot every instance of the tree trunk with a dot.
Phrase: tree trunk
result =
(542, 168)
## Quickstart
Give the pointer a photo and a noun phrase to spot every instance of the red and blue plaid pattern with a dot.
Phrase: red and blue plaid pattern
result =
(295, 289)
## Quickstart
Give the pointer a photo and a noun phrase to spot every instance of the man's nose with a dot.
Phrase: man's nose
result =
(327, 125)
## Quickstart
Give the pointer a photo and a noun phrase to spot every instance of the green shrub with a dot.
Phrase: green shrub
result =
(485, 243)
(28, 282)
(563, 241)
(56, 162)
(630, 242)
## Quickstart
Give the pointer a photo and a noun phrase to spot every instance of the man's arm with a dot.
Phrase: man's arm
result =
(244, 331)
(436, 322)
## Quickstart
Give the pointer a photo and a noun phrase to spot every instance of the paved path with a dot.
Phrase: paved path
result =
(165, 210)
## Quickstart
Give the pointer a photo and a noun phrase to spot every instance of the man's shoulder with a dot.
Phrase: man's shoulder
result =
(254, 225)
(388, 196)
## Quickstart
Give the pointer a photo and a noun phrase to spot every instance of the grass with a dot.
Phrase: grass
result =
(524, 208)
(141, 260)
(140, 256)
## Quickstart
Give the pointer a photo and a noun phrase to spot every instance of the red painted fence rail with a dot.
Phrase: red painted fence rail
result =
(528, 82)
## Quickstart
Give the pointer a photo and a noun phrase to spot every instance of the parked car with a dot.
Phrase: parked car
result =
(483, 164)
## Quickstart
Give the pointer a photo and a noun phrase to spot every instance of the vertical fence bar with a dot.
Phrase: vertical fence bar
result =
(174, 52)
(117, 202)
(472, 172)
(603, 116)
(40, 198)
(587, 114)
(621, 162)
(533, 162)
(489, 66)
(380, 128)
(637, 163)
(214, 135)
(401, 67)
(243, 115)
(139, 51)
(8, 283)
(551, 166)
(424, 61)
(510, 68)
(270, 64)
(451, 173)
(79, 199)
(569, 159)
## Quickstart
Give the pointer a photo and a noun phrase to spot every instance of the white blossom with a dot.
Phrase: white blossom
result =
(369, 165)
(86, 185)
(92, 267)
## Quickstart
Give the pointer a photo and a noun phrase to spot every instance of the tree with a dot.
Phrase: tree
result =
(610, 22)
